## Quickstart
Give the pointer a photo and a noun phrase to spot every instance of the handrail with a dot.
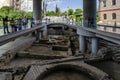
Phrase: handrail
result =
(98, 33)
(113, 37)
(108, 26)
(95, 31)
(12, 36)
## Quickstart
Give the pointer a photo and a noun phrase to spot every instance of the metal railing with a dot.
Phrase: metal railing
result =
(109, 28)
(6, 38)
(106, 35)
(98, 33)
(106, 28)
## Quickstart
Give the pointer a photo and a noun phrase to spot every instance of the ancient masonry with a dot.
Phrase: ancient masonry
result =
(55, 56)
(109, 12)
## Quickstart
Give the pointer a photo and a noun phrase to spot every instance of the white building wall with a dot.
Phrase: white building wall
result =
(27, 5)
(4, 3)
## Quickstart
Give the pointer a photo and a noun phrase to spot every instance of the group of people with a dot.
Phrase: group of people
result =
(16, 25)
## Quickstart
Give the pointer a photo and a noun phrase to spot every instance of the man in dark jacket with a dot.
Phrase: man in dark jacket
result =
(5, 25)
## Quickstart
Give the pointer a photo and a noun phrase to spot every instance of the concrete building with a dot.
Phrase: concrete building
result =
(109, 12)
(11, 3)
(4, 3)
(23, 5)
(27, 5)
(17, 4)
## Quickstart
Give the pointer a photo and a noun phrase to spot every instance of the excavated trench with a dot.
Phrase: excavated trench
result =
(61, 46)
(110, 67)
(66, 75)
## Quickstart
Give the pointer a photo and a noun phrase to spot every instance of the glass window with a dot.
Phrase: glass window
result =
(104, 3)
(113, 15)
(113, 2)
(105, 16)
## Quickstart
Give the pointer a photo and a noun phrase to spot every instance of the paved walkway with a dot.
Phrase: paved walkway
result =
(99, 28)
(1, 32)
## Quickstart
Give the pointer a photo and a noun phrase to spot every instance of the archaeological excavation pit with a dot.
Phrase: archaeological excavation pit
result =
(64, 73)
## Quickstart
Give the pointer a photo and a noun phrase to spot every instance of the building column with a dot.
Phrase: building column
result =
(94, 45)
(45, 31)
(89, 13)
(82, 43)
(37, 11)
(89, 20)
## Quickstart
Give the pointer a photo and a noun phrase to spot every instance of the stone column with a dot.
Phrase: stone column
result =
(37, 11)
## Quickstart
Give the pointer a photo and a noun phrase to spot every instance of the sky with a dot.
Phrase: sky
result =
(65, 4)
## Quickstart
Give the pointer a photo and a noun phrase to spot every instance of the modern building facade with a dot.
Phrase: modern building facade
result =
(109, 12)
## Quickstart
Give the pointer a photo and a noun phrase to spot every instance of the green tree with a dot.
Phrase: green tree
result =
(64, 13)
(6, 10)
(51, 13)
(57, 11)
(98, 17)
(72, 16)
(78, 13)
(47, 13)
(12, 13)
(70, 12)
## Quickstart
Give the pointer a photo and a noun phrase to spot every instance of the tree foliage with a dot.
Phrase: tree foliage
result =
(64, 13)
(12, 13)
(70, 12)
(98, 17)
(50, 13)
(57, 11)
(78, 13)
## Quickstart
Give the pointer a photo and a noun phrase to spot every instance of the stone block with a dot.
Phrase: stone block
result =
(59, 48)
(5, 76)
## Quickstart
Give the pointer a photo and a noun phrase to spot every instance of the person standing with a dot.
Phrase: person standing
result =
(12, 24)
(19, 24)
(32, 22)
(5, 25)
(25, 22)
